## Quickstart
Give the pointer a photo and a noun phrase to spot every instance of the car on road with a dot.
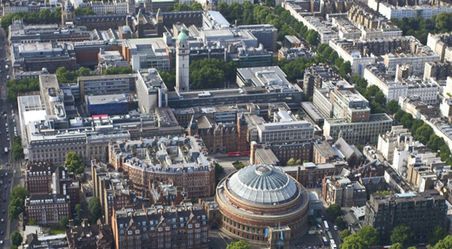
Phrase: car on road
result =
(1, 242)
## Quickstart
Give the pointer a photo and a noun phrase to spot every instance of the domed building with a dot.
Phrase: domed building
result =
(263, 205)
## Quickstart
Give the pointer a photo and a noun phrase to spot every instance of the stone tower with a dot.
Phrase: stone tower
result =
(182, 62)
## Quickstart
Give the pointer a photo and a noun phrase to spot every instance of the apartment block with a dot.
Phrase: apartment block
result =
(421, 212)
(180, 160)
(183, 226)
(402, 83)
(391, 9)
(47, 209)
(442, 45)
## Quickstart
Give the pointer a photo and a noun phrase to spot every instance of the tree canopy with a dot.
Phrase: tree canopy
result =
(44, 16)
(17, 202)
(16, 238)
(363, 239)
(241, 244)
(84, 11)
(18, 87)
(248, 13)
(95, 209)
(187, 7)
(74, 163)
(211, 73)
(420, 27)
(401, 234)
(17, 150)
(354, 241)
(333, 211)
(445, 243)
(118, 70)
(67, 76)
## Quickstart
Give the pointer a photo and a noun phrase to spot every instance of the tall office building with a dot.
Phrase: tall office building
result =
(182, 62)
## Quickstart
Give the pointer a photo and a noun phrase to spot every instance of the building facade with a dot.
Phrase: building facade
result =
(260, 201)
(421, 212)
(181, 227)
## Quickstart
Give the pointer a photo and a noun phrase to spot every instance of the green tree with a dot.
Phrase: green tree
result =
(74, 163)
(340, 223)
(423, 133)
(16, 149)
(16, 87)
(333, 211)
(392, 107)
(219, 170)
(187, 7)
(169, 77)
(211, 73)
(118, 70)
(396, 246)
(63, 222)
(241, 244)
(291, 162)
(401, 234)
(83, 71)
(436, 235)
(445, 243)
(344, 234)
(95, 209)
(16, 238)
(369, 235)
(17, 201)
(84, 11)
(354, 241)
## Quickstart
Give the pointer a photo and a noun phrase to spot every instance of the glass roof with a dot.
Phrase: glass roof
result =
(263, 184)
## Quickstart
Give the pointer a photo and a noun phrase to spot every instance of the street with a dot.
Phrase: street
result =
(8, 172)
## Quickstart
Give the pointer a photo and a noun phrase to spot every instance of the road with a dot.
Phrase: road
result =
(7, 123)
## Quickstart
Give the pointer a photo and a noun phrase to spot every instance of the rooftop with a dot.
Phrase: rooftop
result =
(263, 184)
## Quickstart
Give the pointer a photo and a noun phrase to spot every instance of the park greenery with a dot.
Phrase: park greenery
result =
(363, 239)
(17, 202)
(169, 77)
(19, 87)
(193, 6)
(84, 11)
(445, 243)
(333, 212)
(67, 76)
(292, 162)
(238, 165)
(240, 244)
(219, 171)
(248, 13)
(211, 73)
(294, 69)
(420, 27)
(95, 209)
(16, 149)
(117, 70)
(74, 163)
(401, 237)
(16, 239)
(44, 16)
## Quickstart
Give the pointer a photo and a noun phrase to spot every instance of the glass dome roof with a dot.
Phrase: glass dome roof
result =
(263, 184)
